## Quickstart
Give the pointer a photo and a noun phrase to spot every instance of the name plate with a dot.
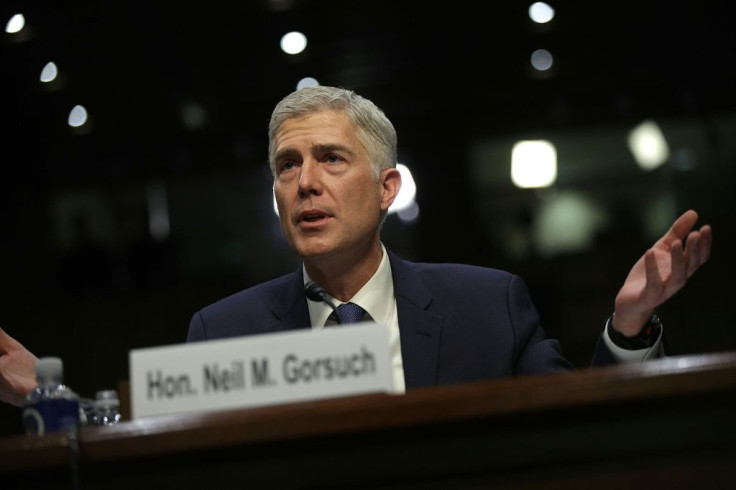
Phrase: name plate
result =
(258, 370)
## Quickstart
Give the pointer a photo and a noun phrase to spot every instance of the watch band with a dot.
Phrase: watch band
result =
(646, 338)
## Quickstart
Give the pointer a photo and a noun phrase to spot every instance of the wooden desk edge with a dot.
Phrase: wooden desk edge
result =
(678, 376)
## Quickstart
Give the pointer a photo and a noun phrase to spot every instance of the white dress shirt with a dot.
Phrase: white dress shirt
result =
(377, 298)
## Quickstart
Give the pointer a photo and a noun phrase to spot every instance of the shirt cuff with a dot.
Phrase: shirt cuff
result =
(625, 356)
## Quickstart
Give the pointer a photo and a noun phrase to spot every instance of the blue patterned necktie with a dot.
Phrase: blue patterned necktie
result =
(350, 313)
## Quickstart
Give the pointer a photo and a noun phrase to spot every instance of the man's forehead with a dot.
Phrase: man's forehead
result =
(316, 132)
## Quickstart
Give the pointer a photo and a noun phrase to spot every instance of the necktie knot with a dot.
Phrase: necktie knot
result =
(350, 313)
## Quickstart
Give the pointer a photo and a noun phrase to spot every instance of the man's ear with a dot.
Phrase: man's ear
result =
(390, 180)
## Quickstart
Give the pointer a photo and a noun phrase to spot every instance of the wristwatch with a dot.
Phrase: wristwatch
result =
(646, 338)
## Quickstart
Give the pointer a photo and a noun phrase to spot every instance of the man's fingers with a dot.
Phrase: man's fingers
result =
(7, 343)
(681, 260)
(697, 248)
(692, 252)
(682, 226)
(654, 280)
(706, 239)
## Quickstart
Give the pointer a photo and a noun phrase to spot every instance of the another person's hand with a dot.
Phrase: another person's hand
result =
(17, 370)
(662, 271)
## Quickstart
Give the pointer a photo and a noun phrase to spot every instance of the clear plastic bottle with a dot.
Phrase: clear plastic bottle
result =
(51, 406)
(107, 407)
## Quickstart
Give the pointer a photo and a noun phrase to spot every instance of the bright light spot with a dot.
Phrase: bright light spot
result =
(409, 214)
(568, 223)
(49, 72)
(533, 164)
(293, 42)
(15, 24)
(193, 115)
(407, 192)
(542, 60)
(648, 145)
(307, 82)
(77, 116)
(158, 211)
(541, 13)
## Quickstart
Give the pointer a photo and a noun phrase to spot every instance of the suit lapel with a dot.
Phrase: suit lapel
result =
(289, 308)
(419, 328)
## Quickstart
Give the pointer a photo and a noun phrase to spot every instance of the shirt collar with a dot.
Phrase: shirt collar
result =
(375, 297)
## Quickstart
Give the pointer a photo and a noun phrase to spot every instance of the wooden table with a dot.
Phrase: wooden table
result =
(668, 423)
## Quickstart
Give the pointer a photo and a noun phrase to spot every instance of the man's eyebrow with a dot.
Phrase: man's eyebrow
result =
(292, 153)
(330, 147)
(286, 153)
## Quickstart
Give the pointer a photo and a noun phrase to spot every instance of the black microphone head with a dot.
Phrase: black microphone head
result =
(314, 291)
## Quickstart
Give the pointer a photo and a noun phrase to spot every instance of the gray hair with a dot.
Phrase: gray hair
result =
(372, 127)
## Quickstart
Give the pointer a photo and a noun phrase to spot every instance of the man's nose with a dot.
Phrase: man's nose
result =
(310, 178)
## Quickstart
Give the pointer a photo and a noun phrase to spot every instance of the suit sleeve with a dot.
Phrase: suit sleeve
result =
(196, 329)
(535, 352)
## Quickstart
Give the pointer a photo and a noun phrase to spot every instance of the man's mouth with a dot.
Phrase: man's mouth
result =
(312, 216)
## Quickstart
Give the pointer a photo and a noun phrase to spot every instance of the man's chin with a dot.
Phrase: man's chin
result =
(310, 250)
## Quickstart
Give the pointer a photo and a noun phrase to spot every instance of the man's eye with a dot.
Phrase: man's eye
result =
(332, 158)
(287, 166)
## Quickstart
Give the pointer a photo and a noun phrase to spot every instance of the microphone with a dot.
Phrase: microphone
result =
(315, 292)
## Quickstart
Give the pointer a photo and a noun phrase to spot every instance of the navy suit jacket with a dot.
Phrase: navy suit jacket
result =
(458, 323)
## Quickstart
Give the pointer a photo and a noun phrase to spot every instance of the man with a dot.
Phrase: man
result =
(333, 158)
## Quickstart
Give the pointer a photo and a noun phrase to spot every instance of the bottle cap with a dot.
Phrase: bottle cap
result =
(49, 368)
(107, 398)
(106, 395)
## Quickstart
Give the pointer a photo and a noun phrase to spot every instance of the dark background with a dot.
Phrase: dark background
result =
(83, 278)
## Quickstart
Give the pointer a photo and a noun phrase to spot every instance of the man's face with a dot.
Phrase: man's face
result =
(328, 199)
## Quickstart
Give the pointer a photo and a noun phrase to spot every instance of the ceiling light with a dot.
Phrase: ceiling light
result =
(542, 60)
(541, 12)
(648, 145)
(533, 164)
(293, 42)
(15, 24)
(49, 72)
(77, 116)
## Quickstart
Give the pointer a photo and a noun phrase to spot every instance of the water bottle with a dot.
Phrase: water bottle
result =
(51, 406)
(107, 408)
